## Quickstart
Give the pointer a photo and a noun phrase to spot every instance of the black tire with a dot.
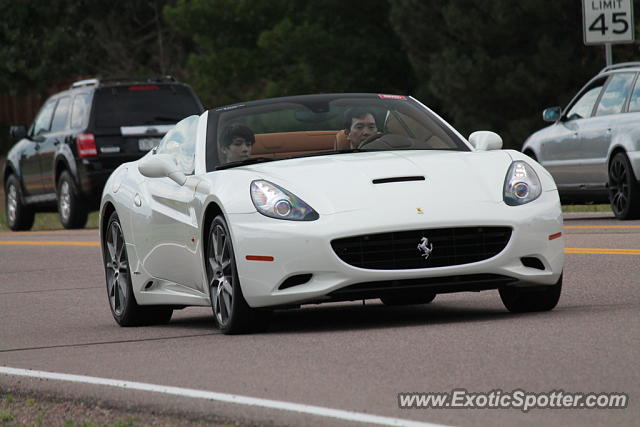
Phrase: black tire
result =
(531, 155)
(407, 299)
(231, 312)
(72, 209)
(122, 301)
(530, 299)
(19, 216)
(624, 190)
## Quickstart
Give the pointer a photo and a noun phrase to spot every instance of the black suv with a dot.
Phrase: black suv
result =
(80, 136)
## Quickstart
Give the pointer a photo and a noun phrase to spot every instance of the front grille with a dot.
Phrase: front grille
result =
(399, 250)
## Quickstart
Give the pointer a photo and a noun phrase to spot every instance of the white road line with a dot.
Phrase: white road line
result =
(221, 397)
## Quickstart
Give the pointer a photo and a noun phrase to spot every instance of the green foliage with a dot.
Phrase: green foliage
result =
(251, 49)
(495, 65)
(46, 43)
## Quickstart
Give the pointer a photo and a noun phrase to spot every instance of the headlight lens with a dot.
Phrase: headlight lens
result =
(521, 184)
(276, 202)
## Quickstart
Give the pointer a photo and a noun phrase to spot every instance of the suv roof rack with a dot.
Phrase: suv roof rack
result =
(620, 66)
(98, 81)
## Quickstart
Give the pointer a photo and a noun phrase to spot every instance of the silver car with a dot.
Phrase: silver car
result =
(592, 149)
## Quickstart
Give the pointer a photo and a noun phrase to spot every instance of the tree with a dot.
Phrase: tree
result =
(45, 44)
(250, 49)
(495, 65)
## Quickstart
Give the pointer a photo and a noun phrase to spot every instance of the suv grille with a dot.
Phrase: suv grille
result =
(399, 250)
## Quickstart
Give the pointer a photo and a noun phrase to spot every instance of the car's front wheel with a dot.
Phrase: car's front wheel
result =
(624, 190)
(19, 216)
(122, 302)
(231, 312)
(528, 299)
(72, 210)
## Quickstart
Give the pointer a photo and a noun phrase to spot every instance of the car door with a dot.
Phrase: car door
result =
(595, 135)
(48, 147)
(563, 154)
(29, 157)
(170, 250)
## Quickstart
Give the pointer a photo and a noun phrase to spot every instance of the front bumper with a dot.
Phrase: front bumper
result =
(300, 248)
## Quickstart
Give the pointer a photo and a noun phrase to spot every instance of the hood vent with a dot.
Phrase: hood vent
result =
(398, 179)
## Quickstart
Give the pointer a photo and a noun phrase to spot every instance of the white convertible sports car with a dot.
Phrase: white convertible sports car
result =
(307, 199)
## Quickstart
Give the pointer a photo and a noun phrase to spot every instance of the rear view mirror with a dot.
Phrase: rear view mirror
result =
(483, 140)
(551, 114)
(161, 166)
(18, 131)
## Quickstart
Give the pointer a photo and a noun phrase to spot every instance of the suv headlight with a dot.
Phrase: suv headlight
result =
(521, 184)
(276, 202)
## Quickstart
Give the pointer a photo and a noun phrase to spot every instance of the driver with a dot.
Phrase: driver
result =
(359, 125)
(236, 142)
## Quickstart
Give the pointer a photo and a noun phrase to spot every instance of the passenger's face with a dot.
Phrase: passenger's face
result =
(361, 129)
(240, 149)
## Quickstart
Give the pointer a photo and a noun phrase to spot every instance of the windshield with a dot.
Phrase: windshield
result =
(139, 105)
(321, 125)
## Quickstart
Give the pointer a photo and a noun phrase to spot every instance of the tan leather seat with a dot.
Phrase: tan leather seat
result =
(342, 143)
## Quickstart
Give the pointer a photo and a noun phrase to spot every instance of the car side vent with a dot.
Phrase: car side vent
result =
(532, 262)
(148, 285)
(296, 280)
(398, 179)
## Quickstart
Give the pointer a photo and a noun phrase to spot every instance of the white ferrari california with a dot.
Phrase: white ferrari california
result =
(276, 203)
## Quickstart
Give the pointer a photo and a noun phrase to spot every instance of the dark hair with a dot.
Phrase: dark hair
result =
(237, 130)
(355, 113)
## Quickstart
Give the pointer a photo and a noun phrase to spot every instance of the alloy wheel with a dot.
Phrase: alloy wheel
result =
(117, 267)
(220, 274)
(12, 203)
(65, 199)
(619, 190)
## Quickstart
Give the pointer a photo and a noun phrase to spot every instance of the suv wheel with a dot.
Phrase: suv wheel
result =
(73, 212)
(624, 190)
(19, 216)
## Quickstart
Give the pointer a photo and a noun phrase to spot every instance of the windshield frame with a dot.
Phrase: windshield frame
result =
(212, 156)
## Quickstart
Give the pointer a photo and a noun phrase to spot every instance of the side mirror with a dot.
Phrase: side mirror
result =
(161, 166)
(484, 140)
(18, 131)
(551, 114)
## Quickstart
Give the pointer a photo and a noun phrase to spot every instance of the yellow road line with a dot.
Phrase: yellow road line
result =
(47, 243)
(606, 251)
(8, 233)
(601, 226)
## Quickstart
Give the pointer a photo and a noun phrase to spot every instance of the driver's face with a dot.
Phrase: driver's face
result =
(361, 129)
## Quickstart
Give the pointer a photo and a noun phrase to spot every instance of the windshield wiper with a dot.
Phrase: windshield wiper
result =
(251, 161)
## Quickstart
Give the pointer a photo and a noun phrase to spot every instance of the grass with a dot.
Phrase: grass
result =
(49, 221)
(586, 208)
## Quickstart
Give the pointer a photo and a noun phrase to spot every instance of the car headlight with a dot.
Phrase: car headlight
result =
(521, 184)
(276, 202)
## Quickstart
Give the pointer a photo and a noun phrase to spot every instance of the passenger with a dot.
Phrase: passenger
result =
(359, 125)
(236, 142)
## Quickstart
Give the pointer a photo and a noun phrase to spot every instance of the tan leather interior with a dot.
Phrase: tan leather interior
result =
(341, 141)
(286, 144)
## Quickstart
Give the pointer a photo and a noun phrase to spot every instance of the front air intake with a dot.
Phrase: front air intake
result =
(424, 248)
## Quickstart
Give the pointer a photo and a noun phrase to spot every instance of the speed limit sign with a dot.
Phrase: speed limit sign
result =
(607, 21)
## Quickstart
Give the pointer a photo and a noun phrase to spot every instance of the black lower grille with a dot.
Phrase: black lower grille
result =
(399, 250)
(438, 285)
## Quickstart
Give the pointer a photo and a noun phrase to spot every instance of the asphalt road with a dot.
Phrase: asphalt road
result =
(54, 317)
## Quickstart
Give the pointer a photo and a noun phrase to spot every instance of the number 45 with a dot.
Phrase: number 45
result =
(618, 18)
